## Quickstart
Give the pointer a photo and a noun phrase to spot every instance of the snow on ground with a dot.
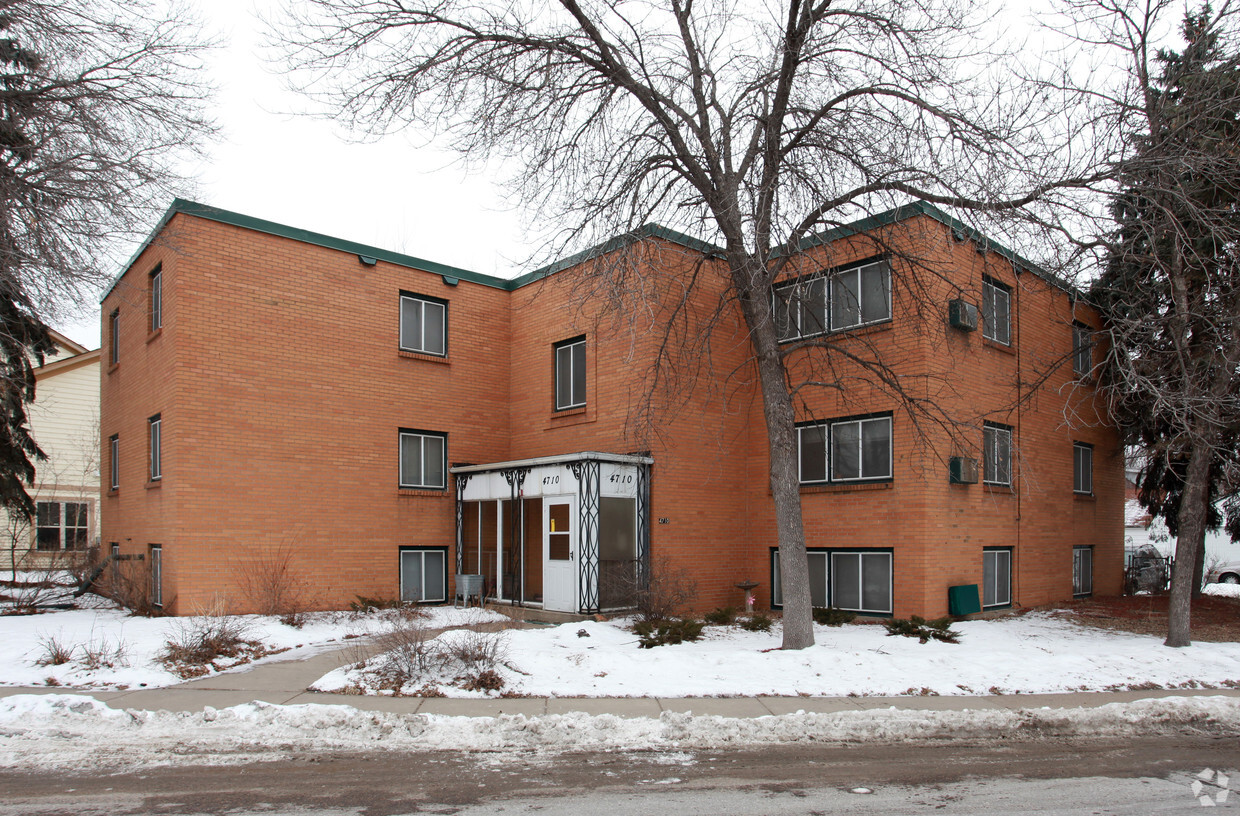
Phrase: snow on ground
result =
(1033, 653)
(1222, 590)
(127, 647)
(83, 734)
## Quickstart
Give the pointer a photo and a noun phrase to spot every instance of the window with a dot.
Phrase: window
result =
(1082, 468)
(1082, 350)
(114, 461)
(851, 297)
(423, 575)
(157, 299)
(857, 449)
(997, 577)
(422, 460)
(996, 311)
(858, 580)
(570, 374)
(154, 424)
(423, 324)
(997, 454)
(62, 525)
(1082, 571)
(157, 575)
(114, 336)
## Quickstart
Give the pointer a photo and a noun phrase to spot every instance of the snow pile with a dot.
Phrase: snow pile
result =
(1034, 653)
(68, 731)
(126, 647)
(1222, 590)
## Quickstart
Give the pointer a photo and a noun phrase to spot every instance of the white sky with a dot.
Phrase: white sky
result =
(302, 172)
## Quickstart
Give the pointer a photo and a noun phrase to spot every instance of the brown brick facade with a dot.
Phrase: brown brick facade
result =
(281, 392)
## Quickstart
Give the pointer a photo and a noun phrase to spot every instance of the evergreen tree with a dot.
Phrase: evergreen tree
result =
(1171, 289)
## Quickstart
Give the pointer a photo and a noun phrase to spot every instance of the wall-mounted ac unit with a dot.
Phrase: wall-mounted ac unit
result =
(962, 315)
(962, 470)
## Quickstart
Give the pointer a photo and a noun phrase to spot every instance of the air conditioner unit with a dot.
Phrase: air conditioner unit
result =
(962, 315)
(962, 470)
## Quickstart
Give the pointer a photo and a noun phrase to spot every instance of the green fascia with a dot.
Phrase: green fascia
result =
(210, 213)
(619, 242)
(916, 208)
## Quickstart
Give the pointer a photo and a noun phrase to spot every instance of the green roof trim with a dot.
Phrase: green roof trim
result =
(210, 213)
(619, 242)
(916, 208)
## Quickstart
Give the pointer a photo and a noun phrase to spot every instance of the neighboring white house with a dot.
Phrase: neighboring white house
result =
(64, 421)
(1141, 529)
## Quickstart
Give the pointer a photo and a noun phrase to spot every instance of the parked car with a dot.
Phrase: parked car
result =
(1228, 573)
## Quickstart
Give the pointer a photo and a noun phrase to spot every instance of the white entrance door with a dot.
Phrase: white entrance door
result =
(559, 555)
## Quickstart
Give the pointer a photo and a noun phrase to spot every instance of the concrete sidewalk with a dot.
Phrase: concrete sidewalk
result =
(285, 683)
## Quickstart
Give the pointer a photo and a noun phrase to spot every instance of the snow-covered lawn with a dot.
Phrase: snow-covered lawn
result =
(1222, 590)
(1034, 653)
(126, 648)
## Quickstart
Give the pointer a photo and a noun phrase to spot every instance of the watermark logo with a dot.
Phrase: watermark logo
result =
(1210, 788)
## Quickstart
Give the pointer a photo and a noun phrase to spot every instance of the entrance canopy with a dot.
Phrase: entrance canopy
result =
(570, 533)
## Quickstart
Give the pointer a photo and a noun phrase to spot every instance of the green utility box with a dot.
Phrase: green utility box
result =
(963, 600)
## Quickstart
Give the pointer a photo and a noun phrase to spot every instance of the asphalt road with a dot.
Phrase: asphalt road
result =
(1097, 776)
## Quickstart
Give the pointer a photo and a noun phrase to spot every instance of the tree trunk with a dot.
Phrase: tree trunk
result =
(798, 622)
(1194, 502)
(1199, 566)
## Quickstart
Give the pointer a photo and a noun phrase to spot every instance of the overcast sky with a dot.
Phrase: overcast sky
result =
(302, 172)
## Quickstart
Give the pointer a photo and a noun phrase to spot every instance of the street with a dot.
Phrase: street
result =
(1104, 776)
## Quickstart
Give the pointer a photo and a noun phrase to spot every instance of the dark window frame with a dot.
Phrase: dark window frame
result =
(826, 282)
(1081, 576)
(61, 526)
(988, 467)
(155, 440)
(827, 427)
(114, 335)
(423, 435)
(997, 604)
(423, 549)
(155, 554)
(991, 289)
(155, 300)
(828, 553)
(1082, 350)
(424, 301)
(1083, 476)
(114, 461)
(575, 400)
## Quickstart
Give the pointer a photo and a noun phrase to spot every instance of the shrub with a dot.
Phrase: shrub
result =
(271, 580)
(664, 595)
(723, 616)
(104, 653)
(196, 643)
(668, 631)
(364, 604)
(922, 629)
(55, 653)
(832, 616)
(757, 622)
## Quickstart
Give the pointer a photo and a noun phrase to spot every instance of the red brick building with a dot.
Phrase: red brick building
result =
(382, 422)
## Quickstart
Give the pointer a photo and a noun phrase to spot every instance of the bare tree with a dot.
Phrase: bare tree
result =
(1171, 284)
(754, 126)
(99, 101)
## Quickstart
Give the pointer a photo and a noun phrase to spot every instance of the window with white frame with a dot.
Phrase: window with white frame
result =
(1082, 349)
(423, 324)
(996, 311)
(834, 301)
(997, 577)
(856, 449)
(570, 374)
(62, 525)
(114, 461)
(156, 556)
(154, 426)
(855, 580)
(1082, 467)
(423, 575)
(1082, 570)
(423, 457)
(996, 454)
(157, 298)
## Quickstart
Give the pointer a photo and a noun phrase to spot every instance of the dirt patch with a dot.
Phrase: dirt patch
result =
(1214, 618)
